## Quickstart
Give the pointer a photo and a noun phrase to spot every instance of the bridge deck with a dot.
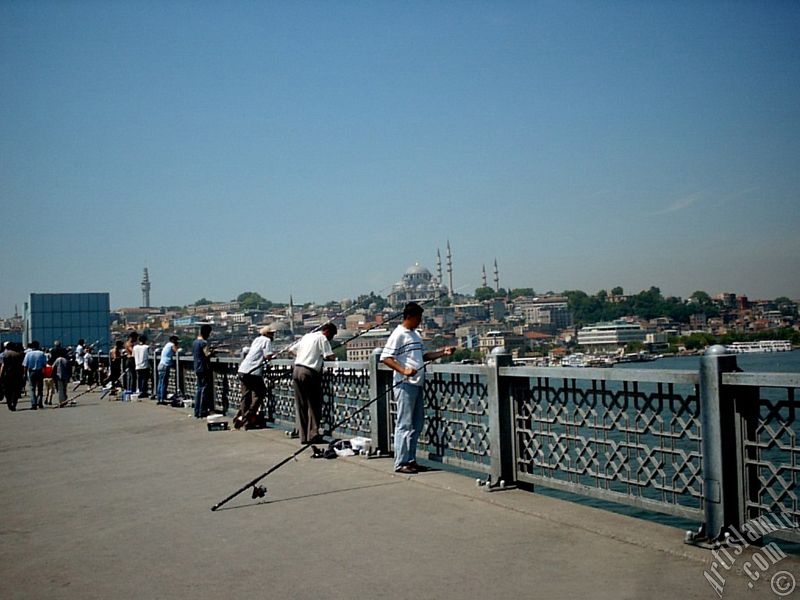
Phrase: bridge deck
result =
(111, 500)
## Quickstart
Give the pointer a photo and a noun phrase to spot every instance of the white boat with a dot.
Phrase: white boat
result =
(760, 346)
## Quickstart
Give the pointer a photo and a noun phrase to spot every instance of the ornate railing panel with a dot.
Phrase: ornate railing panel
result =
(771, 444)
(280, 393)
(456, 427)
(345, 390)
(627, 436)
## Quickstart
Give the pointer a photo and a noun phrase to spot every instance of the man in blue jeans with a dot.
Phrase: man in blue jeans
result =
(202, 353)
(164, 365)
(34, 363)
(403, 353)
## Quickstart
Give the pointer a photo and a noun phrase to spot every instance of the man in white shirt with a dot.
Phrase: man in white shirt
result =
(79, 352)
(310, 352)
(403, 353)
(141, 355)
(251, 374)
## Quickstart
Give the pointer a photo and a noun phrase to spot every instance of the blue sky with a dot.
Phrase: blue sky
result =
(320, 148)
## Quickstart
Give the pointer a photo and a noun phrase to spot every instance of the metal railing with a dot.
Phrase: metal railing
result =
(718, 446)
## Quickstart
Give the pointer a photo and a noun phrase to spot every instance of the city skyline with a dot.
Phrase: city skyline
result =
(319, 150)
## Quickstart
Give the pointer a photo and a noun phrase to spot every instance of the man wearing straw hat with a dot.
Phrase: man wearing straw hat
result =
(252, 378)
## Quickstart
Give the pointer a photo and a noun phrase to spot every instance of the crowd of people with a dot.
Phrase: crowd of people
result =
(47, 374)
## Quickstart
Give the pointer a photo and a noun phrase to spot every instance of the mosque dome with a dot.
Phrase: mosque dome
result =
(417, 269)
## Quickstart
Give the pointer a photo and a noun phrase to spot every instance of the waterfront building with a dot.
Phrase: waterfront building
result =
(550, 313)
(187, 321)
(68, 318)
(10, 335)
(362, 347)
(609, 337)
(512, 342)
(473, 311)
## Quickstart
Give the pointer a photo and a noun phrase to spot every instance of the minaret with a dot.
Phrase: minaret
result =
(483, 275)
(496, 277)
(146, 289)
(450, 269)
(291, 315)
(438, 274)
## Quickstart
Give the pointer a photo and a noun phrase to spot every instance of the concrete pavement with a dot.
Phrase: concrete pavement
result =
(111, 500)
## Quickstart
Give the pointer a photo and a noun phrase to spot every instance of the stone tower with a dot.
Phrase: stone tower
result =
(146, 289)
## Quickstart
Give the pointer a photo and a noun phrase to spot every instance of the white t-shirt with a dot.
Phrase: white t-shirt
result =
(260, 350)
(79, 354)
(311, 349)
(405, 346)
(141, 354)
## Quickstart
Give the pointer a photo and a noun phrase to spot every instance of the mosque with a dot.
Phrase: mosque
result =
(417, 284)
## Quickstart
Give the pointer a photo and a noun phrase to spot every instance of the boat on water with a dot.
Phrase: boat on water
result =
(760, 346)
(641, 356)
(578, 359)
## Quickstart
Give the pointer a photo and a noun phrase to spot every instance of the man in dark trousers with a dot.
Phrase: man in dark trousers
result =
(202, 353)
(12, 373)
(310, 352)
(252, 378)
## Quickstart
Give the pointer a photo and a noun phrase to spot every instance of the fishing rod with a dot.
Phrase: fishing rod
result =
(261, 491)
(339, 345)
(83, 393)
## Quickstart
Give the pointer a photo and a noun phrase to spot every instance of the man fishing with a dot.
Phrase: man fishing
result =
(403, 353)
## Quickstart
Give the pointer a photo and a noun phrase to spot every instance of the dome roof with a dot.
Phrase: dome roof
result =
(417, 269)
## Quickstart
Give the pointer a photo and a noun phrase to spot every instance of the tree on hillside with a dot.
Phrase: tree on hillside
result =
(253, 301)
(517, 292)
(484, 293)
(364, 301)
(203, 302)
(786, 306)
(617, 291)
(701, 298)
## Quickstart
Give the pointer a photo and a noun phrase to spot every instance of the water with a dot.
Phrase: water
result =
(770, 362)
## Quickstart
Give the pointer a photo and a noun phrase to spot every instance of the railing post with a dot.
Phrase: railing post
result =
(720, 445)
(225, 389)
(501, 426)
(179, 383)
(379, 383)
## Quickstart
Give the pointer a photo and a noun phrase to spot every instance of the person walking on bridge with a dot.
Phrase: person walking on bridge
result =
(34, 363)
(62, 371)
(12, 373)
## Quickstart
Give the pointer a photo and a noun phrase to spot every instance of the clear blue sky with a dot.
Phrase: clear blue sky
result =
(320, 148)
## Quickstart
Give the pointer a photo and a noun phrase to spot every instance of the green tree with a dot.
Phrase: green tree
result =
(701, 298)
(253, 301)
(203, 302)
(617, 291)
(517, 292)
(786, 306)
(484, 293)
(364, 301)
